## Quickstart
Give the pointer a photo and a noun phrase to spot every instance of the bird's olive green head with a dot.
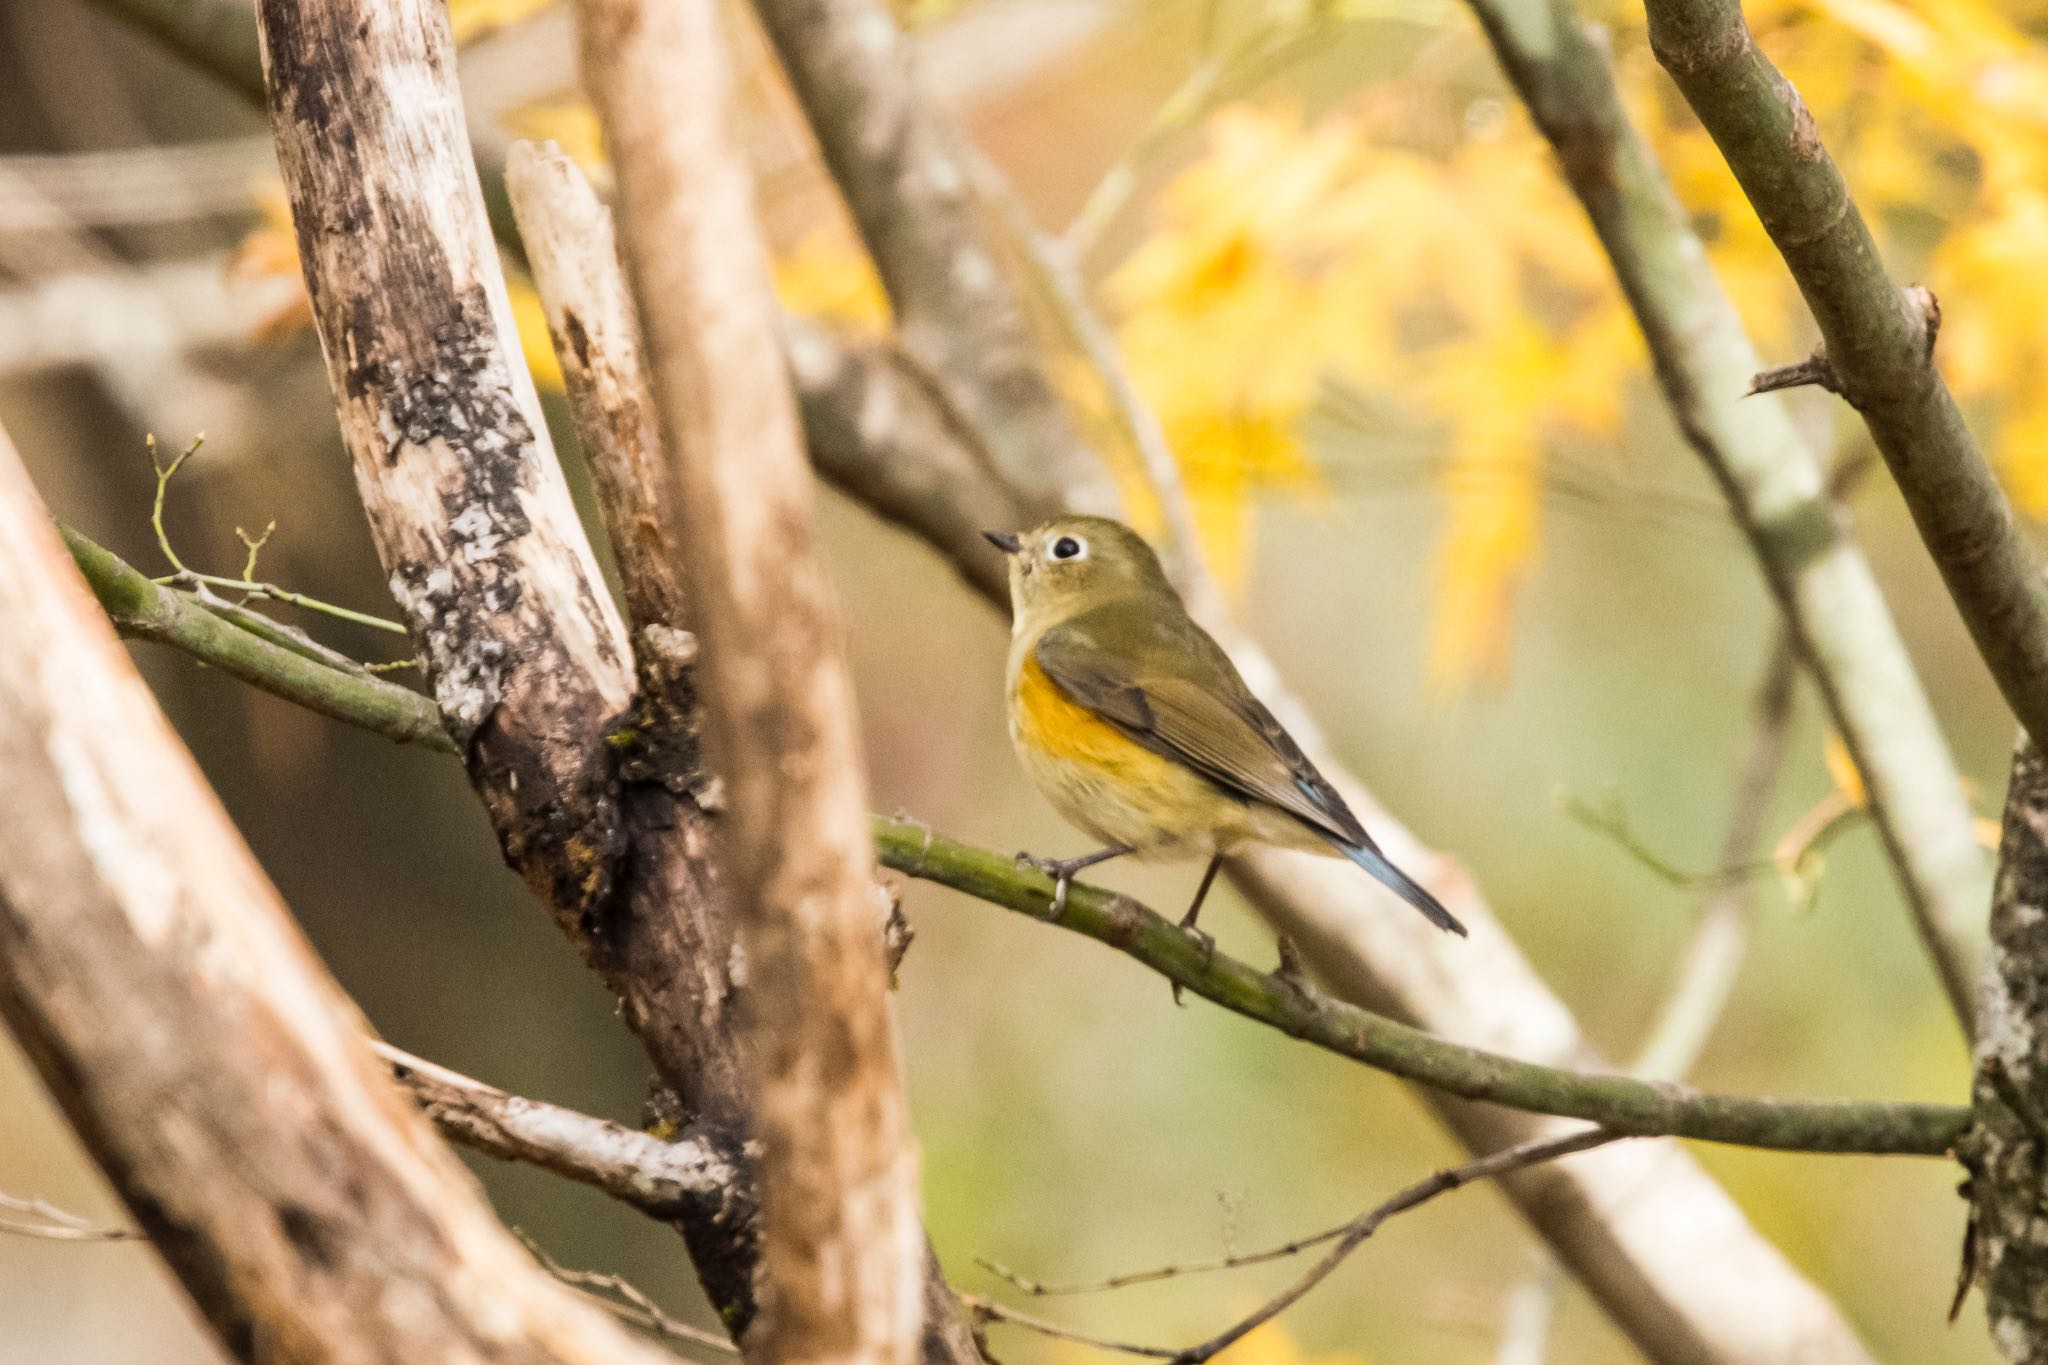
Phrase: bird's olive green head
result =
(1070, 564)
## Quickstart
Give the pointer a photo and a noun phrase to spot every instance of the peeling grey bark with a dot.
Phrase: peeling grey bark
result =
(2006, 1248)
(473, 522)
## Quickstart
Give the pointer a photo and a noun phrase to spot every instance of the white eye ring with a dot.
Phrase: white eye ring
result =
(1067, 549)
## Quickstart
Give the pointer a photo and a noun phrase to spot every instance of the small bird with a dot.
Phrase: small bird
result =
(1136, 726)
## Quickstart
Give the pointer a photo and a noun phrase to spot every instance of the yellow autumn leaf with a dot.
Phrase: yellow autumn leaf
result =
(473, 19)
(828, 277)
(531, 319)
(570, 123)
(1848, 778)
(1491, 392)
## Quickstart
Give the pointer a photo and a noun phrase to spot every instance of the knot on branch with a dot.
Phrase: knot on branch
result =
(1818, 372)
(1814, 371)
(659, 742)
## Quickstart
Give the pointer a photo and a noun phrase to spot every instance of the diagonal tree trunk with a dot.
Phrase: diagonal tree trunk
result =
(215, 1072)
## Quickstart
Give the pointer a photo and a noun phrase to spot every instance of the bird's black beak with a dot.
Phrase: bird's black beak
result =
(1006, 541)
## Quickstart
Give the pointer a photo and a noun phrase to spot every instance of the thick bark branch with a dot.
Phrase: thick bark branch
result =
(574, 254)
(214, 1071)
(1878, 338)
(472, 520)
(521, 648)
(844, 1266)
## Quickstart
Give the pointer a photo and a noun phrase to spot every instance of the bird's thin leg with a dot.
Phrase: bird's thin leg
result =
(1062, 870)
(1290, 970)
(1187, 921)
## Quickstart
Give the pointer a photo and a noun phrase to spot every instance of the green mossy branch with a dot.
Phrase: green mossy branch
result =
(1620, 1104)
(142, 610)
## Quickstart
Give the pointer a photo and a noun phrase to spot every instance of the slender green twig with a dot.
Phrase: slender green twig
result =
(1621, 1103)
(183, 575)
(1609, 819)
(1713, 956)
(1625, 1105)
(146, 610)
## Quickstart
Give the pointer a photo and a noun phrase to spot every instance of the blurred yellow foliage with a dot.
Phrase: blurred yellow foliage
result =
(1292, 257)
(472, 19)
(1450, 275)
(828, 277)
(570, 123)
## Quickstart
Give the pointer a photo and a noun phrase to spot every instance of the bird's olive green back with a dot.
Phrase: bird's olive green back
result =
(1141, 662)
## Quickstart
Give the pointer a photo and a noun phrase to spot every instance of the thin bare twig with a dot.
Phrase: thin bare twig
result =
(984, 1311)
(625, 1300)
(1348, 1237)
(1235, 1261)
(57, 1225)
(1515, 1158)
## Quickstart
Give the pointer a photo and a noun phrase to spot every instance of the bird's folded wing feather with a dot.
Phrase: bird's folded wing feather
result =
(1215, 726)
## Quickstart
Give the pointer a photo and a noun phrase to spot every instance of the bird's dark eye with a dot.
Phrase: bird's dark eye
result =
(1068, 547)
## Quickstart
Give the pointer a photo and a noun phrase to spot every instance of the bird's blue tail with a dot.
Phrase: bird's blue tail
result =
(1404, 886)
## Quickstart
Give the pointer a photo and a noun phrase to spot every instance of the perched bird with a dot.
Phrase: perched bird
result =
(1138, 729)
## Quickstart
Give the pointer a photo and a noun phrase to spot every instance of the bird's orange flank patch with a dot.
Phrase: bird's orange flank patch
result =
(1056, 725)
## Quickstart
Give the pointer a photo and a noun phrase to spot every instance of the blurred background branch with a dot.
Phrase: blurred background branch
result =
(1703, 361)
(1879, 340)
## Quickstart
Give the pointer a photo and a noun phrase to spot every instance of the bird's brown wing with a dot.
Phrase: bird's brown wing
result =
(1185, 701)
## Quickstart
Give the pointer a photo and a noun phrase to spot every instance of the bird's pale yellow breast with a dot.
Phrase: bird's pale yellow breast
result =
(1109, 784)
